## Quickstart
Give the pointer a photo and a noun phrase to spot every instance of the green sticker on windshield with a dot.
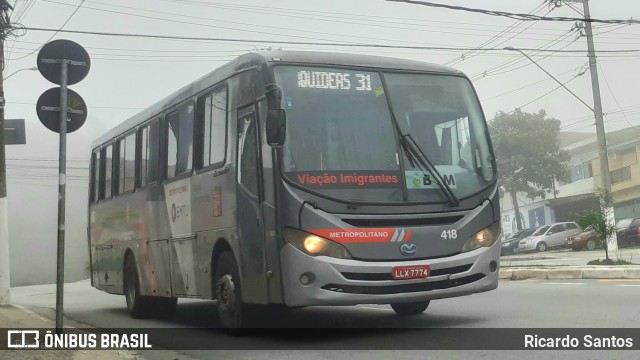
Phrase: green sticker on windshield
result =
(425, 180)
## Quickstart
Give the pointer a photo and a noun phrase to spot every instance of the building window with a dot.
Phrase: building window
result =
(180, 141)
(581, 171)
(621, 175)
(214, 128)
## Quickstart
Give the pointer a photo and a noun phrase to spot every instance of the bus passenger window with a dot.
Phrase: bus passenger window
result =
(96, 175)
(180, 141)
(149, 146)
(126, 163)
(214, 128)
(108, 171)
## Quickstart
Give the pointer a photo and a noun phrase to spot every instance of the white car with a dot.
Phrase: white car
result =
(549, 236)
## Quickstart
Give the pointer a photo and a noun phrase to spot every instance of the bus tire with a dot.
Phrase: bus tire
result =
(137, 304)
(231, 311)
(410, 308)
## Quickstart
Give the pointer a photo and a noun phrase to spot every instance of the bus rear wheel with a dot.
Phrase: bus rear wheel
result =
(231, 311)
(410, 308)
(137, 305)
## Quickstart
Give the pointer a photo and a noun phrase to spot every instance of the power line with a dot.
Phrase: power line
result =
(517, 16)
(260, 41)
(56, 32)
(497, 36)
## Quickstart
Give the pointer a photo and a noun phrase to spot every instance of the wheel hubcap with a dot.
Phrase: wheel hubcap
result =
(225, 295)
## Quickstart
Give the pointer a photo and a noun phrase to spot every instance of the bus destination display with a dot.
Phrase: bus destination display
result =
(334, 80)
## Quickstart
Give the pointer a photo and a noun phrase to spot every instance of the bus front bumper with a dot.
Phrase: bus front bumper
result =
(351, 282)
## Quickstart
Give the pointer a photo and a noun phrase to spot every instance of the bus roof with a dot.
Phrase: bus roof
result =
(258, 59)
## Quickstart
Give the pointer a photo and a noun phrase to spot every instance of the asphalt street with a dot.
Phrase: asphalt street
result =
(515, 304)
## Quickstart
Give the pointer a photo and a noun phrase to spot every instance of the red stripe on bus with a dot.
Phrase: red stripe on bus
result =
(369, 235)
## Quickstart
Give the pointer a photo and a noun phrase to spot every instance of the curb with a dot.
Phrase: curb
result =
(569, 272)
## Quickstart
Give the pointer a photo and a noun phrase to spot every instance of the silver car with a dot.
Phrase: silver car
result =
(549, 236)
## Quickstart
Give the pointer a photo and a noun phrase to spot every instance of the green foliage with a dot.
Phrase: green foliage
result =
(603, 228)
(528, 152)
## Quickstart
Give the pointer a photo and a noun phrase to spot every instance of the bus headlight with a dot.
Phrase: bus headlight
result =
(483, 238)
(315, 245)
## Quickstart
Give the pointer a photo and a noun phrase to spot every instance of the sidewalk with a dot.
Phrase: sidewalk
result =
(570, 272)
(17, 317)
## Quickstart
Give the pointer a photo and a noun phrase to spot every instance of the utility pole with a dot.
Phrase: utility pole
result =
(5, 283)
(605, 177)
(597, 103)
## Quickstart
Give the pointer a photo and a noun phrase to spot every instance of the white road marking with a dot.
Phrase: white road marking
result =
(569, 283)
(628, 285)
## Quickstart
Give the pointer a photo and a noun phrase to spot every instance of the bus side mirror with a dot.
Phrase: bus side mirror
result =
(276, 127)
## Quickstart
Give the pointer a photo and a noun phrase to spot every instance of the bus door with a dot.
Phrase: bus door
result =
(249, 209)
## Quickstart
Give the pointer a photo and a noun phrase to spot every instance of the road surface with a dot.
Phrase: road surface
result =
(515, 304)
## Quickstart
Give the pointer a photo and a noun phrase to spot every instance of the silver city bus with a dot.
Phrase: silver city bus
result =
(299, 178)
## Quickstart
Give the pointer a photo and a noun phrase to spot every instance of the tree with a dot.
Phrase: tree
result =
(599, 220)
(528, 154)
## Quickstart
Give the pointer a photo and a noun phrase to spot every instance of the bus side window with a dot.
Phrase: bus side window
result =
(126, 161)
(108, 172)
(214, 128)
(180, 141)
(96, 176)
(149, 150)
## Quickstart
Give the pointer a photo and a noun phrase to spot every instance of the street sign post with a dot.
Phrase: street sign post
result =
(62, 62)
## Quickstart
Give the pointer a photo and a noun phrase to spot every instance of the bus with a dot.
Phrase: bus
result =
(292, 179)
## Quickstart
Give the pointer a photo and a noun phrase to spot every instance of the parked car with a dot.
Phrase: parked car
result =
(628, 231)
(549, 236)
(510, 243)
(584, 240)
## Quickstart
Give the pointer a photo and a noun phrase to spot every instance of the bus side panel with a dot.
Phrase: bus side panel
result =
(135, 222)
(214, 219)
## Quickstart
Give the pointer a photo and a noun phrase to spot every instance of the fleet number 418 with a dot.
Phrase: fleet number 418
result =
(449, 234)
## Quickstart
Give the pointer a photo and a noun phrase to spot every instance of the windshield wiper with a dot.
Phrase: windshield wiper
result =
(416, 155)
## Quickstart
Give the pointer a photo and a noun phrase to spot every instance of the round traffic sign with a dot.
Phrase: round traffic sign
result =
(50, 58)
(48, 109)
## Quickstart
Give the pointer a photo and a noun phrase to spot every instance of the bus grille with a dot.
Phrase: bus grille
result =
(396, 222)
(404, 288)
(387, 275)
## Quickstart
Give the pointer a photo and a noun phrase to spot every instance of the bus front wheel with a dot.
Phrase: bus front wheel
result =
(410, 308)
(228, 293)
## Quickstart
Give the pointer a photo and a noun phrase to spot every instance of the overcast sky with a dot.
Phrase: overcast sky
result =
(128, 74)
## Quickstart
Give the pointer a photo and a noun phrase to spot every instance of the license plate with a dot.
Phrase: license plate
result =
(570, 242)
(410, 272)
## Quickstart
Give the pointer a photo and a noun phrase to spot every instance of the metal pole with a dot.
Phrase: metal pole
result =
(605, 181)
(61, 196)
(5, 283)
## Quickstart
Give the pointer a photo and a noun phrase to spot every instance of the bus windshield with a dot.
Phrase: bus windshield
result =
(343, 140)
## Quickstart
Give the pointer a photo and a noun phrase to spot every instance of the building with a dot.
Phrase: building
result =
(577, 195)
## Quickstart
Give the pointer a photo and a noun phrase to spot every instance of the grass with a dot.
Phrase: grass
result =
(609, 262)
